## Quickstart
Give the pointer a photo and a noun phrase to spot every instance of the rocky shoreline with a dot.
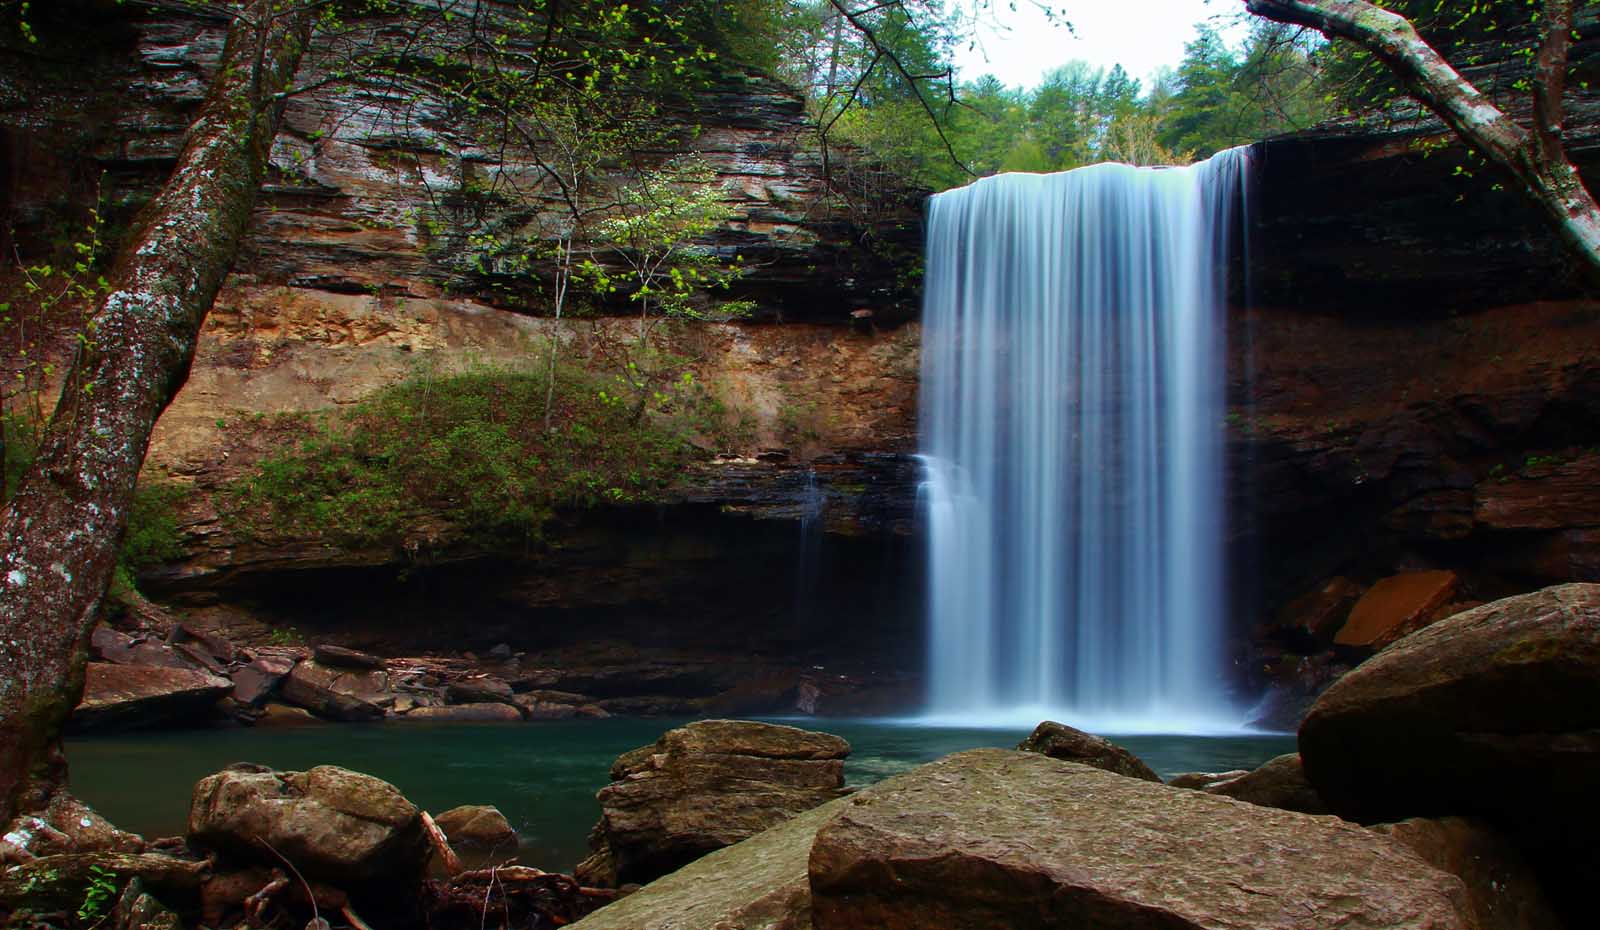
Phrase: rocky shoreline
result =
(1443, 784)
(164, 672)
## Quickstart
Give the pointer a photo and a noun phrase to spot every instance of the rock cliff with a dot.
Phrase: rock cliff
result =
(1411, 385)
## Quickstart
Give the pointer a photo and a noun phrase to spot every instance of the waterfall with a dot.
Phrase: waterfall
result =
(1072, 419)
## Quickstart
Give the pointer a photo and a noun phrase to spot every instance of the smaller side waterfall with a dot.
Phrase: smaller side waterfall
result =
(1072, 412)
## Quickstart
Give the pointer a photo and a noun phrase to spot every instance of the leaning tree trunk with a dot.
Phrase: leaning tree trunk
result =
(1536, 158)
(61, 530)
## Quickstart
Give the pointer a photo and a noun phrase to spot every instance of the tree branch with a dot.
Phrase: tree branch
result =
(1537, 160)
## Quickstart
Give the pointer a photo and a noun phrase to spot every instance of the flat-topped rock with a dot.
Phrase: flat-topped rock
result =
(1396, 606)
(704, 786)
(133, 696)
(991, 838)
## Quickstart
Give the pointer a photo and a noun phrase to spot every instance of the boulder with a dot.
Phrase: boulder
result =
(340, 657)
(990, 838)
(477, 826)
(705, 786)
(338, 694)
(332, 823)
(1279, 782)
(1502, 890)
(758, 884)
(1396, 606)
(124, 697)
(466, 713)
(1059, 741)
(1494, 712)
(253, 684)
(483, 689)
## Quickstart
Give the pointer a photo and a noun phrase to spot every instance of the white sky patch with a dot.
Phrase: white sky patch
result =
(1020, 45)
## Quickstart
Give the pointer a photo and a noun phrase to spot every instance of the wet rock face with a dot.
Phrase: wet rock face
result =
(332, 823)
(990, 838)
(701, 787)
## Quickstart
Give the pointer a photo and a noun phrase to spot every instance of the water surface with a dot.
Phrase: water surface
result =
(542, 776)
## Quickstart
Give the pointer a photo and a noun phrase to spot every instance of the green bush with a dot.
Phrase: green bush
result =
(472, 449)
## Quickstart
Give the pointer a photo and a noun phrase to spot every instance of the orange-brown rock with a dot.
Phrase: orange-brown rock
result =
(990, 838)
(1396, 606)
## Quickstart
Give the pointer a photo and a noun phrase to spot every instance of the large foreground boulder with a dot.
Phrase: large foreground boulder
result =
(990, 838)
(1494, 712)
(1059, 741)
(701, 787)
(124, 697)
(758, 884)
(332, 823)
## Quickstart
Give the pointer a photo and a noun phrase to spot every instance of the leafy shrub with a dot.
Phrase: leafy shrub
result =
(470, 448)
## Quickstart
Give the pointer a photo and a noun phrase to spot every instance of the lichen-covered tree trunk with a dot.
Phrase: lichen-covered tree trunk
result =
(60, 531)
(1535, 157)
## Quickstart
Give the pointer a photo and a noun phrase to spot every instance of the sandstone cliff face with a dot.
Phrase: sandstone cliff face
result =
(1411, 384)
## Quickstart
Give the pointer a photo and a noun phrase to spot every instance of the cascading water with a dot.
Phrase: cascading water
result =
(1072, 407)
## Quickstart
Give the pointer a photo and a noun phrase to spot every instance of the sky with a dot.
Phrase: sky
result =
(1141, 35)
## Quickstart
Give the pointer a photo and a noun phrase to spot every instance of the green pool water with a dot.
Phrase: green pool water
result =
(542, 776)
